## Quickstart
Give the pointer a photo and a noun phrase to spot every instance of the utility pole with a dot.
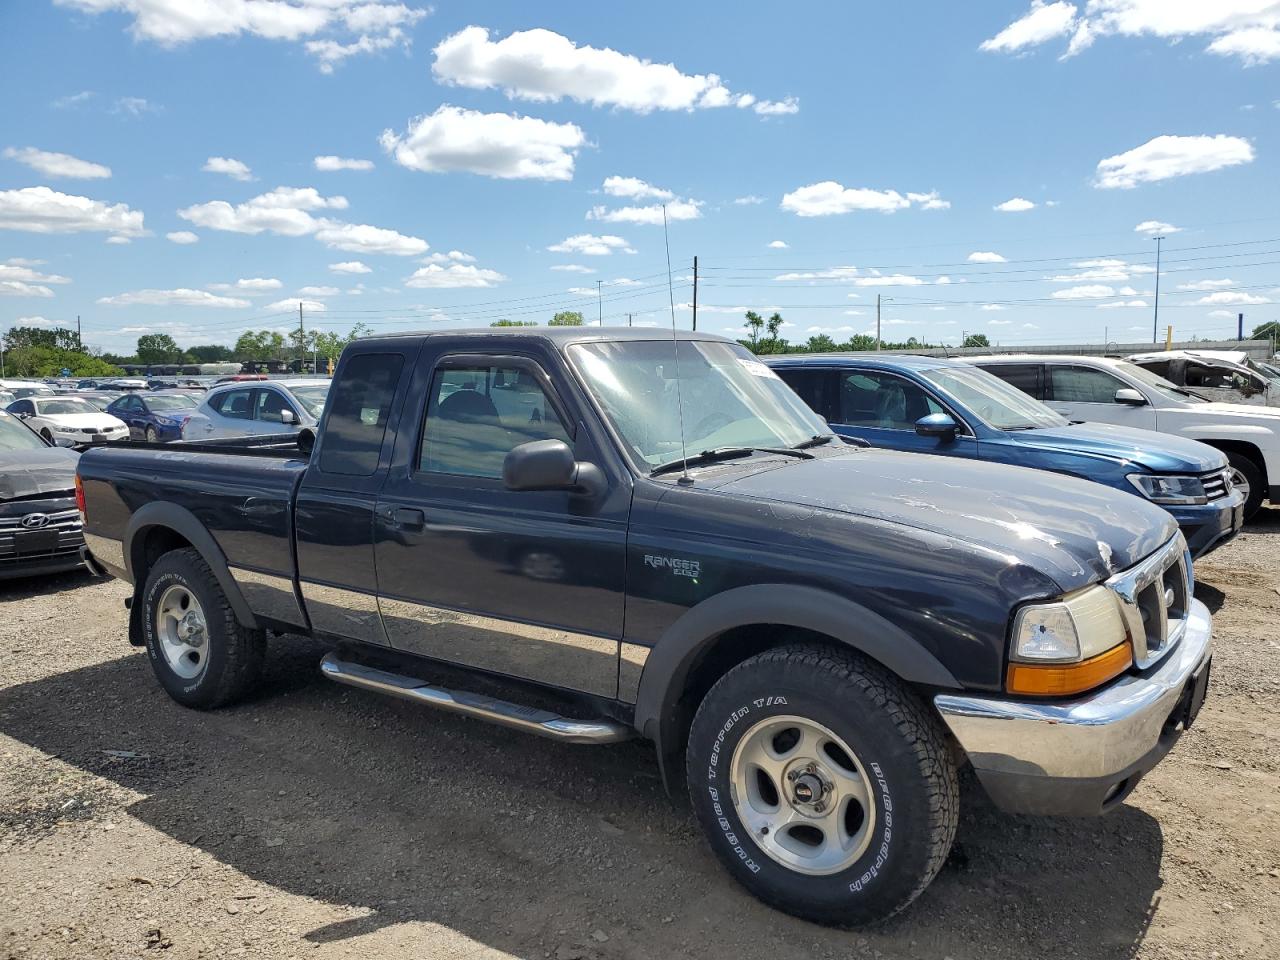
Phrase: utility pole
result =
(695, 293)
(628, 319)
(302, 339)
(79, 342)
(1239, 326)
(877, 322)
(599, 303)
(1155, 320)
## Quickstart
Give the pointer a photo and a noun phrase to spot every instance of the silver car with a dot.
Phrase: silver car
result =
(257, 407)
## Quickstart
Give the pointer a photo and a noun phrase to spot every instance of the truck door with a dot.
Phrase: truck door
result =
(526, 583)
(335, 501)
(882, 408)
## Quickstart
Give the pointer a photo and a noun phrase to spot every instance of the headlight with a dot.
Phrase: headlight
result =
(1068, 646)
(1172, 491)
(61, 429)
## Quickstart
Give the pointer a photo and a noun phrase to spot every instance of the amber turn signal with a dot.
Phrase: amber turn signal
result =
(1064, 679)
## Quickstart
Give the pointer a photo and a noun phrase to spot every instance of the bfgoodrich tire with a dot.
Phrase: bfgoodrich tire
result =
(200, 653)
(823, 785)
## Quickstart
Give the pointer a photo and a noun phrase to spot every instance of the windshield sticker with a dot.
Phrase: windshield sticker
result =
(756, 368)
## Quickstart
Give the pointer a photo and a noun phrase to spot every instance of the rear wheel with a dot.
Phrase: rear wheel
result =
(823, 785)
(1246, 477)
(201, 654)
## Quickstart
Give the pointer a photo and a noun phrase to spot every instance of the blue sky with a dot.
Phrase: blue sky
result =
(893, 151)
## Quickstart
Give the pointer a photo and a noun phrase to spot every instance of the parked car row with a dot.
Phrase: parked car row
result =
(815, 630)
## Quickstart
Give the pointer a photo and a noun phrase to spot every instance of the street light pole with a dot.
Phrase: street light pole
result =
(878, 299)
(1155, 320)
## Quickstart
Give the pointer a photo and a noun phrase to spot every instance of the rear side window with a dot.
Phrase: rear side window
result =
(359, 407)
(1024, 376)
(234, 404)
(1083, 385)
(810, 385)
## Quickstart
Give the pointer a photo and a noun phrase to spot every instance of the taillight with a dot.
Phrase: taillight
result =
(80, 496)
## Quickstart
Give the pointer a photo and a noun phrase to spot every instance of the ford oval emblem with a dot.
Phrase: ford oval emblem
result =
(34, 520)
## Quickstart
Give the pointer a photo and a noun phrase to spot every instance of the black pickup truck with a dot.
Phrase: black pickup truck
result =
(632, 535)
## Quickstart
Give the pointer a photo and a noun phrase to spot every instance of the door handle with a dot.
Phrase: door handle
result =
(408, 518)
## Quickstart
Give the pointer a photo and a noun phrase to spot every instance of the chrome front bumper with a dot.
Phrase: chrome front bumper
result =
(1083, 756)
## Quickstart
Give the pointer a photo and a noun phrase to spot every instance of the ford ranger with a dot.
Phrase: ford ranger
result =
(632, 535)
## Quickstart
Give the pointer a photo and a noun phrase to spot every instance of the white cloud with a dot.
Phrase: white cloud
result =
(181, 297)
(584, 291)
(1208, 284)
(1116, 304)
(329, 164)
(832, 273)
(1088, 291)
(134, 107)
(651, 215)
(309, 306)
(543, 66)
(319, 291)
(119, 240)
(73, 99)
(57, 164)
(993, 307)
(374, 24)
(235, 169)
(1042, 22)
(778, 245)
(894, 280)
(19, 288)
(41, 210)
(633, 188)
(1161, 158)
(506, 146)
(456, 275)
(1014, 205)
(985, 256)
(1229, 298)
(623, 282)
(349, 266)
(829, 197)
(591, 245)
(283, 211)
(999, 323)
(249, 285)
(453, 256)
(1246, 29)
(1153, 227)
(571, 268)
(363, 238)
(21, 270)
(182, 237)
(750, 200)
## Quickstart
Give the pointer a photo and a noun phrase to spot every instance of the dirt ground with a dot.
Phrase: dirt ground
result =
(318, 821)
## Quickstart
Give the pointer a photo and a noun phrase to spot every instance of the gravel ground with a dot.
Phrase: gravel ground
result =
(317, 821)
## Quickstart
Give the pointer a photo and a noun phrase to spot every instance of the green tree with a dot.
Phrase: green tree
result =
(259, 345)
(209, 353)
(57, 338)
(158, 348)
(820, 343)
(773, 343)
(44, 361)
(754, 324)
(977, 340)
(567, 318)
(330, 345)
(1266, 331)
(524, 323)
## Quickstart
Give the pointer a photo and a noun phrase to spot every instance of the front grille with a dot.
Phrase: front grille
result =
(1155, 600)
(65, 522)
(1217, 485)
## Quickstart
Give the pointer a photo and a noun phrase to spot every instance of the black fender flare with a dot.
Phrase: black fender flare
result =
(183, 522)
(785, 605)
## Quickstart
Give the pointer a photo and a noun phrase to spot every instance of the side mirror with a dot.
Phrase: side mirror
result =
(549, 465)
(940, 425)
(63, 442)
(1131, 397)
(288, 416)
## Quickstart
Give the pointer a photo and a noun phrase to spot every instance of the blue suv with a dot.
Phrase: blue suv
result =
(938, 406)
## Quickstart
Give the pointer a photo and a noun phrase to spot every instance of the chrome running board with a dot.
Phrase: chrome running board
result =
(542, 723)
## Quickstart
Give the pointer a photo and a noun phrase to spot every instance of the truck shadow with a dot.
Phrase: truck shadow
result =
(523, 844)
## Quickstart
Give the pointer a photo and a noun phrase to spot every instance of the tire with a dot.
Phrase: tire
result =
(152, 436)
(898, 838)
(1246, 471)
(205, 669)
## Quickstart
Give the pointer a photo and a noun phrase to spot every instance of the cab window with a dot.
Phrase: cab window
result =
(1083, 385)
(875, 399)
(477, 414)
(234, 404)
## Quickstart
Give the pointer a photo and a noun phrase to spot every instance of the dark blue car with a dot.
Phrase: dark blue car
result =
(154, 417)
(938, 406)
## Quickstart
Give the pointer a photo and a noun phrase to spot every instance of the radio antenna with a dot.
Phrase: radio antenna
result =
(675, 346)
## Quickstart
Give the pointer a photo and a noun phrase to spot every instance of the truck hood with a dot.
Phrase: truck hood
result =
(1158, 453)
(1073, 531)
(29, 473)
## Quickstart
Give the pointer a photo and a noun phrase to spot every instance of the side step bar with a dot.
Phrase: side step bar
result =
(542, 723)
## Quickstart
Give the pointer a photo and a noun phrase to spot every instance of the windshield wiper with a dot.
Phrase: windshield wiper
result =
(817, 440)
(717, 454)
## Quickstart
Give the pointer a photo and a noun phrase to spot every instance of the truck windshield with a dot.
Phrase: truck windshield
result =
(14, 435)
(730, 399)
(993, 401)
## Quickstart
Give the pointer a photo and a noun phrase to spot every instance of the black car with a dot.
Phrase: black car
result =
(40, 529)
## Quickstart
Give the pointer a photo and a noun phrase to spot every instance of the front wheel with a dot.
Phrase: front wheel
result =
(822, 784)
(1246, 477)
(201, 654)
(152, 436)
